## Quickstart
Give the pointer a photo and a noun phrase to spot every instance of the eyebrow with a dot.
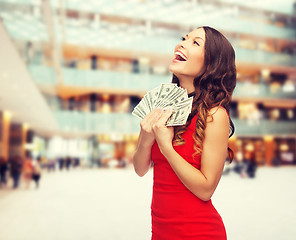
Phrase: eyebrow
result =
(195, 37)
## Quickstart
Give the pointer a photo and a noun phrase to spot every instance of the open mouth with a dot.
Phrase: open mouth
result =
(180, 56)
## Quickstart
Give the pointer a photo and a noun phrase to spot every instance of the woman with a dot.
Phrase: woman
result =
(188, 160)
(28, 171)
(16, 170)
(3, 169)
(36, 172)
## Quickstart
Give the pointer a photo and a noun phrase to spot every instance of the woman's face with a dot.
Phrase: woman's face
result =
(188, 59)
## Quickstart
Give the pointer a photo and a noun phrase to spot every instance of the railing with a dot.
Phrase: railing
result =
(264, 127)
(259, 57)
(108, 79)
(125, 123)
(43, 75)
(262, 91)
(139, 82)
(97, 123)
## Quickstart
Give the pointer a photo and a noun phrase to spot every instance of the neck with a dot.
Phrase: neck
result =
(187, 84)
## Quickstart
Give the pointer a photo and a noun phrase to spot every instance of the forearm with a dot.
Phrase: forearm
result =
(142, 159)
(191, 177)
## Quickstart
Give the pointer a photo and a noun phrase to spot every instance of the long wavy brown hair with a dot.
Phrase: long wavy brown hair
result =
(213, 87)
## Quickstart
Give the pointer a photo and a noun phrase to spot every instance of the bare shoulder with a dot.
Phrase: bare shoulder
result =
(218, 115)
(217, 129)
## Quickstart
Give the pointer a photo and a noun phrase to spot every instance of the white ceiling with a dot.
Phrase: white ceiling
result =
(18, 93)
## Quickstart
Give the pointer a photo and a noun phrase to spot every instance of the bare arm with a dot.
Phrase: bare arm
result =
(142, 155)
(203, 182)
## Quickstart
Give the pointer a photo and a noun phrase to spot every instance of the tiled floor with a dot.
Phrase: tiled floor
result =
(95, 204)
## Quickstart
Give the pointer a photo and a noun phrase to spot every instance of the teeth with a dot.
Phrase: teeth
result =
(181, 55)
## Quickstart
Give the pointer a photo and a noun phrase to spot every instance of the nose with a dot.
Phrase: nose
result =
(180, 45)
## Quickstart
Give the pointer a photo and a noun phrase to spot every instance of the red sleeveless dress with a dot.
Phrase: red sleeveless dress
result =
(177, 214)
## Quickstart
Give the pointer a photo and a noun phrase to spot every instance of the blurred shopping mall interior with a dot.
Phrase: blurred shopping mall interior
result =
(71, 73)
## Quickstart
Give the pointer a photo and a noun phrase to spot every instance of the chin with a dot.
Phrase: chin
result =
(173, 70)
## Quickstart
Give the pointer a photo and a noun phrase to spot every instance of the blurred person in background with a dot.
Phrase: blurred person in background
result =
(239, 164)
(61, 163)
(36, 174)
(51, 165)
(68, 162)
(3, 169)
(122, 162)
(251, 165)
(28, 171)
(16, 165)
(189, 160)
(76, 162)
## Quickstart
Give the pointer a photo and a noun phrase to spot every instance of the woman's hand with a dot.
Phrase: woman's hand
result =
(147, 135)
(163, 135)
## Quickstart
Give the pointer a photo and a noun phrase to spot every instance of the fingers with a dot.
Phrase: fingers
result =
(162, 119)
(150, 119)
(156, 112)
(165, 116)
(157, 117)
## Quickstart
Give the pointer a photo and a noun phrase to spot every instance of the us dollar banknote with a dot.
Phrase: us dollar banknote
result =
(167, 95)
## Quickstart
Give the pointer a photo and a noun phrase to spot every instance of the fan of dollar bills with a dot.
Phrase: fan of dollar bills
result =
(166, 95)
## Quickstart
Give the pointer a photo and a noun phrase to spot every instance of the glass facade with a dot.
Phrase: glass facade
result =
(93, 62)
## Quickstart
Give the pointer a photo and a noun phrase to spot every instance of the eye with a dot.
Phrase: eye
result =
(183, 39)
(195, 42)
